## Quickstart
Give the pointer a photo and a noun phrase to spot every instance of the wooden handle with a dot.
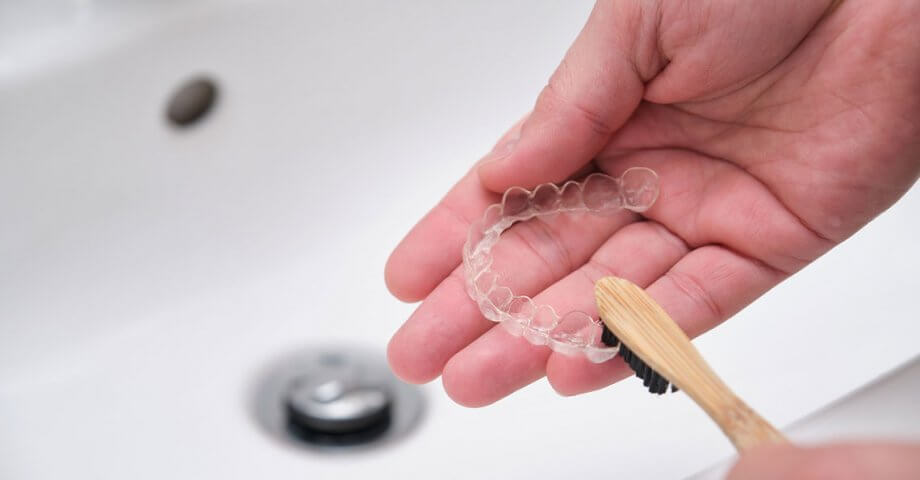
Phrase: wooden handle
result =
(646, 328)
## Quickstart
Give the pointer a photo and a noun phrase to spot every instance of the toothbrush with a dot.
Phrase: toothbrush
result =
(656, 344)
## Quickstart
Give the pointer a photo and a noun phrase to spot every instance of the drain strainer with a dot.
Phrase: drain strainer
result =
(335, 397)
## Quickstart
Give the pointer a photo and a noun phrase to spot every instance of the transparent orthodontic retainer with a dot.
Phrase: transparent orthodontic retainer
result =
(575, 332)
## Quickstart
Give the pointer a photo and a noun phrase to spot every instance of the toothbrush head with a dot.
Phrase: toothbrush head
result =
(654, 381)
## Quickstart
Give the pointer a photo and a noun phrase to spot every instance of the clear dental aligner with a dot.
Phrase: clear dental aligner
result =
(574, 333)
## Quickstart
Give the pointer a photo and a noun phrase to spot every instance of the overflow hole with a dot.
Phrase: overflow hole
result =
(191, 102)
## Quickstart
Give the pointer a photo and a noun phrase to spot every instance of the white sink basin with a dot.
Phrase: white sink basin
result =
(148, 273)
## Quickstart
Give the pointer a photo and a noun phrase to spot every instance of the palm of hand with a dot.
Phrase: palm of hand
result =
(766, 163)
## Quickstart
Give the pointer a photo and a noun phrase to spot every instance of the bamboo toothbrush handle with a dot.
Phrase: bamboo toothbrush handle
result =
(744, 427)
(641, 324)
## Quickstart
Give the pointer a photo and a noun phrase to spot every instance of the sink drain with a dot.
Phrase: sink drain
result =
(335, 397)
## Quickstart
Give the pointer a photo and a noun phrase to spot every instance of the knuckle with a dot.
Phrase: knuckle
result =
(693, 288)
(560, 96)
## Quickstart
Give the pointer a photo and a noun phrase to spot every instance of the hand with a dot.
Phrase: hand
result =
(890, 461)
(778, 129)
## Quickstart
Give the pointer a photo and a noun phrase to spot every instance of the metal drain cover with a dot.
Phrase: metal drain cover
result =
(335, 397)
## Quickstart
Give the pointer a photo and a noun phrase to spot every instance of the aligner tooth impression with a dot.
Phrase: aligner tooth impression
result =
(572, 333)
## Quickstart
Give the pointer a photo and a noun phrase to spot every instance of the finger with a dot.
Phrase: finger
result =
(530, 256)
(431, 249)
(571, 375)
(590, 95)
(893, 461)
(703, 289)
(497, 363)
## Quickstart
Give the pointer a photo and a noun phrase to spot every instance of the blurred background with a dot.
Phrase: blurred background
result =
(196, 202)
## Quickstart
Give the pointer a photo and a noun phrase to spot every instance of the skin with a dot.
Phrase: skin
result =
(778, 129)
(891, 461)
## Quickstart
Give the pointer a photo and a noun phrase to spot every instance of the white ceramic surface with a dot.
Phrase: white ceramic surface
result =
(884, 410)
(147, 274)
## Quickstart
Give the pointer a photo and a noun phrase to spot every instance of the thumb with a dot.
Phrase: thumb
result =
(839, 462)
(591, 94)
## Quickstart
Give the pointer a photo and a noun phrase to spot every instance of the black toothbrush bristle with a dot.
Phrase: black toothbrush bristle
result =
(649, 378)
(652, 380)
(609, 338)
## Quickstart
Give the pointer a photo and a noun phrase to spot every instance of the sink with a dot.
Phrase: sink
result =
(150, 271)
